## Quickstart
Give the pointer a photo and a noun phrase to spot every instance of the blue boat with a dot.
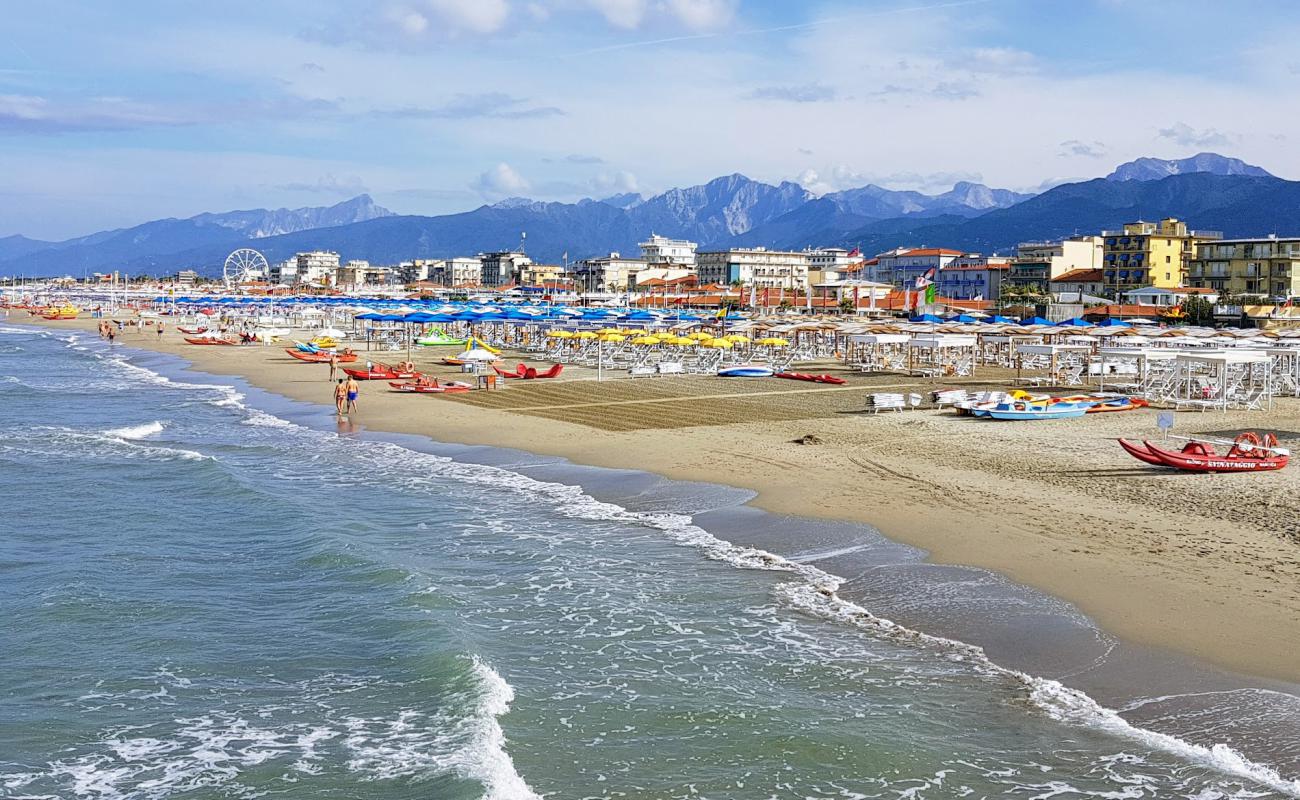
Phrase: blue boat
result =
(1029, 409)
(747, 371)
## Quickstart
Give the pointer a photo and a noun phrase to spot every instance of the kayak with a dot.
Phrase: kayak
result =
(803, 376)
(429, 388)
(380, 374)
(746, 372)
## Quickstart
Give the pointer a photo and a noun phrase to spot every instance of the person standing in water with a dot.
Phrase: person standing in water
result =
(353, 389)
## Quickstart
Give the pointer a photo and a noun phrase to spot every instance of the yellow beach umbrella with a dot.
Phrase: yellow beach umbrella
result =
(613, 337)
(682, 341)
(773, 341)
(584, 335)
(646, 340)
(736, 338)
(700, 336)
(607, 331)
(718, 344)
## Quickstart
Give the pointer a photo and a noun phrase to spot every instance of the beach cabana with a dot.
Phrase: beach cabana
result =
(941, 354)
(1062, 362)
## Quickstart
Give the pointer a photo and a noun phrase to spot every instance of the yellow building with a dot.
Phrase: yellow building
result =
(538, 274)
(1268, 267)
(1150, 254)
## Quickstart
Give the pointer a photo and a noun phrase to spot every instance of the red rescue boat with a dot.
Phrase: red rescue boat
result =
(380, 372)
(1249, 452)
(320, 358)
(208, 340)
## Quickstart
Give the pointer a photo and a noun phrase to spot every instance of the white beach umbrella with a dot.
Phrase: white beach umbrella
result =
(333, 333)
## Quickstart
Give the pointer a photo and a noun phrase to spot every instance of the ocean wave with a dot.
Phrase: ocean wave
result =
(816, 593)
(136, 431)
(115, 443)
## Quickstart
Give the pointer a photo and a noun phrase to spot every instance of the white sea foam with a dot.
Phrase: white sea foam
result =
(816, 594)
(486, 760)
(136, 431)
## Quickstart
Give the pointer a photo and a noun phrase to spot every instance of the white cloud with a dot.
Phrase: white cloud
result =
(408, 21)
(500, 181)
(621, 13)
(475, 16)
(1186, 135)
(702, 15)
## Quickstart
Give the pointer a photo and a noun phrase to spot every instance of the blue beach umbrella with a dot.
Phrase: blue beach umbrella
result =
(926, 318)
(1036, 321)
(1111, 322)
(1076, 322)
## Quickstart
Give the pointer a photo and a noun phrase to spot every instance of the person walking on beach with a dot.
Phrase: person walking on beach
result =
(160, 330)
(334, 365)
(340, 397)
(353, 388)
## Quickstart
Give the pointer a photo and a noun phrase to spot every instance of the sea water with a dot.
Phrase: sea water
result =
(201, 599)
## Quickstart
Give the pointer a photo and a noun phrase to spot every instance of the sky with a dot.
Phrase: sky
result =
(112, 114)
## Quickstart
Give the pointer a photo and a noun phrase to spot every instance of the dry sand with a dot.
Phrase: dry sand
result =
(1206, 565)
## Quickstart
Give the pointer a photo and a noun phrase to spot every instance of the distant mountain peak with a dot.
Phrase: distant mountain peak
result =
(1154, 169)
(625, 200)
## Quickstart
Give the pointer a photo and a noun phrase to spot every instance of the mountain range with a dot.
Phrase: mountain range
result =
(1208, 190)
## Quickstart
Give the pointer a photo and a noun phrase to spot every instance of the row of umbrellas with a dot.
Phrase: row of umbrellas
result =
(1076, 322)
(644, 338)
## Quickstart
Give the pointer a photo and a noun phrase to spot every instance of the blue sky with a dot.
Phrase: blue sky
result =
(115, 113)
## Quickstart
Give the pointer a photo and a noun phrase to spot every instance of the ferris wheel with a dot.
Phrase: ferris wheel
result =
(245, 264)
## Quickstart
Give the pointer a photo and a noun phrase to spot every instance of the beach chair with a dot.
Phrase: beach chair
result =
(886, 402)
(949, 397)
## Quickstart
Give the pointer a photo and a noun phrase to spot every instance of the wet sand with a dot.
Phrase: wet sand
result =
(1205, 565)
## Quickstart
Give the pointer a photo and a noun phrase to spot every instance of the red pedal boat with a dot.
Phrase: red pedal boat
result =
(803, 376)
(1249, 453)
(193, 331)
(320, 358)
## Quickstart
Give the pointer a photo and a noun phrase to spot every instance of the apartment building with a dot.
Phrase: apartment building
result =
(1268, 267)
(1037, 264)
(502, 268)
(902, 266)
(660, 251)
(611, 273)
(757, 267)
(318, 267)
(1150, 254)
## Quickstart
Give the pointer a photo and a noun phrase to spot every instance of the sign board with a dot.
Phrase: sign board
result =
(1165, 420)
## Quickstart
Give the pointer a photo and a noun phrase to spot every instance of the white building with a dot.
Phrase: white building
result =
(501, 268)
(662, 251)
(316, 267)
(611, 273)
(834, 259)
(459, 271)
(1067, 255)
(902, 266)
(757, 267)
(285, 273)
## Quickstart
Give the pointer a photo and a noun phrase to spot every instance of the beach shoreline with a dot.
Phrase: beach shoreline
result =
(1219, 587)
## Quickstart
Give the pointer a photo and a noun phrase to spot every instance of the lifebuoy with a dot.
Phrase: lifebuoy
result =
(1246, 442)
(1270, 440)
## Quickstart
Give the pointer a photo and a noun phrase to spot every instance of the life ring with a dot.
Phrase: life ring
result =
(1270, 440)
(1246, 442)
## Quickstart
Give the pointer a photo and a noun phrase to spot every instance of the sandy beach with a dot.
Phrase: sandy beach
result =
(1204, 565)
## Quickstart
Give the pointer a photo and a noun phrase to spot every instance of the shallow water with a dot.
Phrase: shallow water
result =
(204, 599)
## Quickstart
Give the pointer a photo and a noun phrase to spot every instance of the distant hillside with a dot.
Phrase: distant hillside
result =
(156, 242)
(1237, 205)
(1208, 190)
(1154, 169)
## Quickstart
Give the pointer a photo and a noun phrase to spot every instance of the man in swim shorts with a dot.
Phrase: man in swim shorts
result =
(353, 388)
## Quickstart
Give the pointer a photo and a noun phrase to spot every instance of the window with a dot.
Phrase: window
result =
(1166, 259)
